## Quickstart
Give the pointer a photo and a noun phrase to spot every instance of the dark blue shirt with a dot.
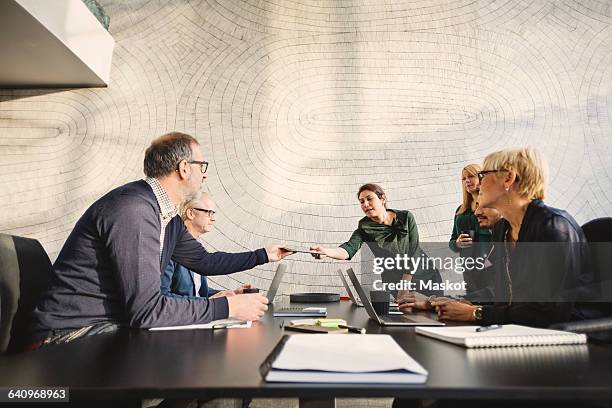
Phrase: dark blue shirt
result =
(178, 280)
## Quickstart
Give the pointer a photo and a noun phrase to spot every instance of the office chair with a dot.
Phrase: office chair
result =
(25, 271)
(599, 326)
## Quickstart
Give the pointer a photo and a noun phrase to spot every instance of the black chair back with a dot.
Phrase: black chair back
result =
(598, 230)
(25, 271)
(597, 315)
(599, 234)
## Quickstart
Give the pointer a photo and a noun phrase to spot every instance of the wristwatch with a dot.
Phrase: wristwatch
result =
(477, 313)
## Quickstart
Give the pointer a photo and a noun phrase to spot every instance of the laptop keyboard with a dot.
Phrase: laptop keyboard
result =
(396, 318)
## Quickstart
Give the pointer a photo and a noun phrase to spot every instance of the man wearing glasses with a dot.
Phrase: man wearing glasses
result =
(198, 214)
(108, 273)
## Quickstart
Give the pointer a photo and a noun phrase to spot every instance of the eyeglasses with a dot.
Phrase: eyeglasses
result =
(481, 174)
(203, 165)
(210, 213)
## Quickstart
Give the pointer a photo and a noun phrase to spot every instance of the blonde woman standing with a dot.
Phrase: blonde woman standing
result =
(466, 228)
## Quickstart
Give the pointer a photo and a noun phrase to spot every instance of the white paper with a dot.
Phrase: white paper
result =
(363, 378)
(349, 354)
(231, 324)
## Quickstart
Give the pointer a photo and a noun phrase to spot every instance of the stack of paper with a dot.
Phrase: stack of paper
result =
(369, 358)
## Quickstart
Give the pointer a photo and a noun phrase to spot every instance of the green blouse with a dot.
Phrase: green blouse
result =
(401, 237)
(465, 222)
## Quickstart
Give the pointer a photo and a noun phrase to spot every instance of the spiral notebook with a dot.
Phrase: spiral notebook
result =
(510, 335)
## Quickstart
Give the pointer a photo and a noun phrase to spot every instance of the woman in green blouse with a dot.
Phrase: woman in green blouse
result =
(387, 232)
(465, 221)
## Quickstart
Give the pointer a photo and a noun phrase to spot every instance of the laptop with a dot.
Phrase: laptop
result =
(356, 302)
(393, 306)
(391, 320)
(276, 281)
(290, 311)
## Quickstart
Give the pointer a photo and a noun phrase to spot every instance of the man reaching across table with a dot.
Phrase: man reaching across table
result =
(108, 271)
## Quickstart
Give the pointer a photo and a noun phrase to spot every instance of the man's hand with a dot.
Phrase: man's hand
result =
(410, 299)
(277, 252)
(406, 304)
(448, 309)
(251, 306)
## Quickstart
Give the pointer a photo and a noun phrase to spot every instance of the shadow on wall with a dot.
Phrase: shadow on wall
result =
(7, 95)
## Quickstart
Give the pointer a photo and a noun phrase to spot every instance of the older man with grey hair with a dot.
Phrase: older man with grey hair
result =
(198, 212)
(108, 272)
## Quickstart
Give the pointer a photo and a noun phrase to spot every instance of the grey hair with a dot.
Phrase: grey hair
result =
(166, 152)
(188, 203)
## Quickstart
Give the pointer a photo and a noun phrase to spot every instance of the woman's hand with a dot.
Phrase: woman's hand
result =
(449, 309)
(464, 241)
(319, 252)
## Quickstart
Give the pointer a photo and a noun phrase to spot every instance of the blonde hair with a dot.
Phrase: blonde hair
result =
(530, 168)
(466, 204)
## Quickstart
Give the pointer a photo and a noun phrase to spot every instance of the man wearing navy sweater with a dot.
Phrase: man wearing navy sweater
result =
(108, 272)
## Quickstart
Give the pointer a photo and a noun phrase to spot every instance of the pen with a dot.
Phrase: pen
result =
(352, 329)
(487, 328)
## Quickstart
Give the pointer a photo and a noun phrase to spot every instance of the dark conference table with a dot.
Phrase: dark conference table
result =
(225, 363)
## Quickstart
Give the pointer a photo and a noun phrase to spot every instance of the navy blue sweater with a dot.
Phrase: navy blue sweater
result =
(109, 268)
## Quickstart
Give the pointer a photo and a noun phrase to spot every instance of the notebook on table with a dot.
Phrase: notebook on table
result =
(319, 358)
(300, 312)
(509, 335)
